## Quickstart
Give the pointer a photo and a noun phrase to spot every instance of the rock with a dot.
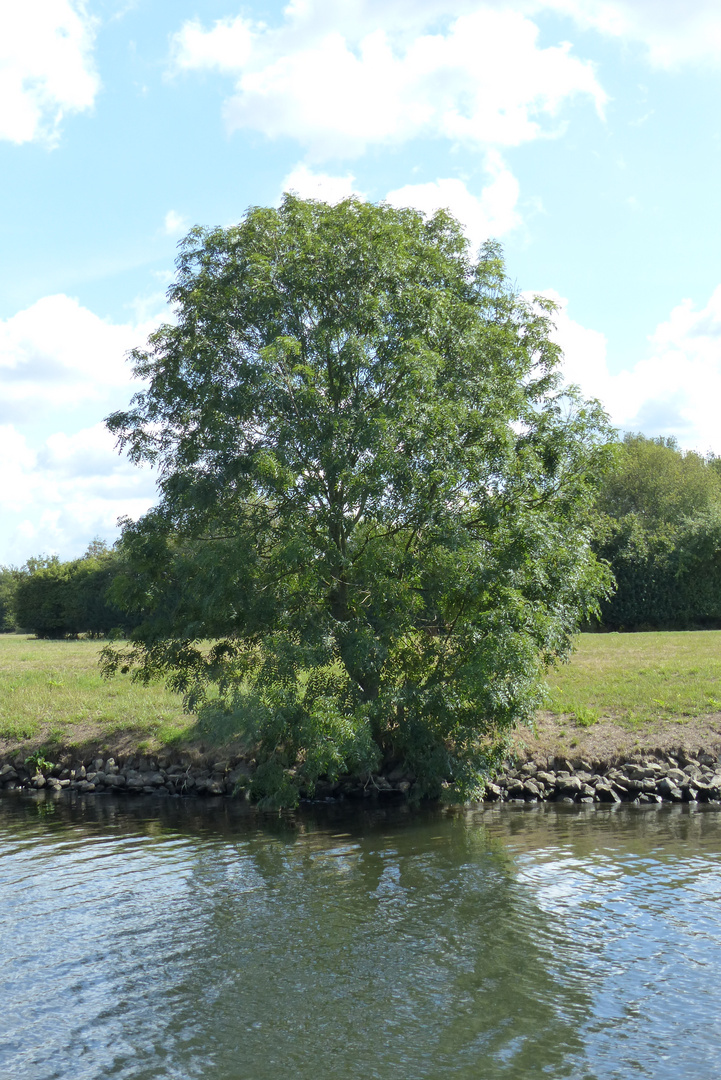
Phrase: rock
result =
(152, 779)
(98, 765)
(606, 793)
(38, 781)
(570, 786)
(492, 792)
(220, 767)
(404, 786)
(7, 773)
(581, 765)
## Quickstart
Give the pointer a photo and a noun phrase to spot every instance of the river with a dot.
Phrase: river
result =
(152, 939)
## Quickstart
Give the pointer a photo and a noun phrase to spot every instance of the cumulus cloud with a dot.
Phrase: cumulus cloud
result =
(174, 223)
(339, 86)
(673, 33)
(46, 67)
(673, 391)
(313, 185)
(60, 495)
(57, 354)
(61, 369)
(493, 213)
(226, 47)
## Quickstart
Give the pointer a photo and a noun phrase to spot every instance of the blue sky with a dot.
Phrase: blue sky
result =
(585, 135)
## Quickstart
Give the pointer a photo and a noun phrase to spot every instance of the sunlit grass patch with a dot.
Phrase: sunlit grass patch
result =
(53, 691)
(639, 678)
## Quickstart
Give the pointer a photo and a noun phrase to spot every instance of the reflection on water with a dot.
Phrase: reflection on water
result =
(183, 940)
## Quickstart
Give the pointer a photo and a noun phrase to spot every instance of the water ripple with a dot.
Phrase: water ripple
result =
(141, 943)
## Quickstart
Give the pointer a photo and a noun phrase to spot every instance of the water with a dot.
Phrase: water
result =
(182, 940)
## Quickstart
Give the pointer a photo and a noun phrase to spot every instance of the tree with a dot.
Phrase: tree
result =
(9, 577)
(373, 496)
(659, 483)
(658, 525)
(55, 599)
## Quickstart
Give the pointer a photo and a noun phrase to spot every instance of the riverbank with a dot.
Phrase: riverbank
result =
(624, 703)
(664, 777)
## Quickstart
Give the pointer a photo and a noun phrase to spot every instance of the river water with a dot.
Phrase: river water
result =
(182, 939)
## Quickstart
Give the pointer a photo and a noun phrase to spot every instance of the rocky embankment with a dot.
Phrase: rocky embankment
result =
(669, 777)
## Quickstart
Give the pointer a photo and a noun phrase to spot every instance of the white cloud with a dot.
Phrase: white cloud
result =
(71, 488)
(339, 87)
(674, 391)
(46, 67)
(493, 213)
(61, 369)
(57, 354)
(674, 33)
(224, 48)
(312, 185)
(174, 223)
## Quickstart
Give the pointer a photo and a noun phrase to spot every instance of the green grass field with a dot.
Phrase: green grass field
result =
(51, 692)
(640, 678)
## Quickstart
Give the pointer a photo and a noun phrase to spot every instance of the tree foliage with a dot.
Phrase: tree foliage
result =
(55, 599)
(373, 495)
(9, 577)
(659, 527)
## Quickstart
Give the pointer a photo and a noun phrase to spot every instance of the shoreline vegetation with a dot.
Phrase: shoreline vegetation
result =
(632, 717)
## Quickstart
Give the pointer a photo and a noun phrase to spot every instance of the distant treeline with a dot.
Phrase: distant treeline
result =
(657, 521)
(54, 599)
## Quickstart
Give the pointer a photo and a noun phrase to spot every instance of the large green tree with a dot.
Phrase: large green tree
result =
(372, 535)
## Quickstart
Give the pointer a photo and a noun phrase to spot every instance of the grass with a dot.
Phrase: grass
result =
(51, 693)
(640, 678)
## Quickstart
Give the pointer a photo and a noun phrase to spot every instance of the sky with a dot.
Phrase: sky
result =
(584, 135)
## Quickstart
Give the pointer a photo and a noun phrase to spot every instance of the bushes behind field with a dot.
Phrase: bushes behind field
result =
(658, 524)
(55, 599)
